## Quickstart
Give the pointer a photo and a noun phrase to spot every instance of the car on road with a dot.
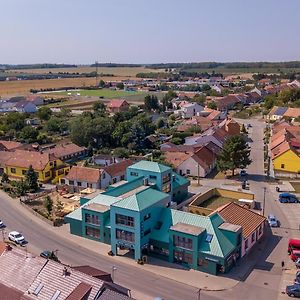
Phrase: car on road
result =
(293, 290)
(16, 237)
(1, 224)
(295, 254)
(288, 198)
(49, 255)
(272, 220)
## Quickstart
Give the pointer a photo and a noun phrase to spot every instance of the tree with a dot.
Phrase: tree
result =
(101, 83)
(121, 152)
(212, 105)
(4, 178)
(31, 179)
(160, 123)
(59, 207)
(29, 134)
(235, 154)
(44, 113)
(151, 102)
(99, 108)
(48, 204)
(120, 85)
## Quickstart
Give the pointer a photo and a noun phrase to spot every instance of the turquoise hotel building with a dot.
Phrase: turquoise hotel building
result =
(139, 215)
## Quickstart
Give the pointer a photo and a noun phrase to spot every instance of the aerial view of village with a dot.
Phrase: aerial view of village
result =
(149, 150)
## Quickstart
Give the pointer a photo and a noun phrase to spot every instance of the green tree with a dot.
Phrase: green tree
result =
(99, 108)
(212, 105)
(48, 204)
(44, 113)
(101, 83)
(121, 152)
(160, 123)
(31, 179)
(4, 178)
(235, 154)
(151, 103)
(29, 134)
(120, 85)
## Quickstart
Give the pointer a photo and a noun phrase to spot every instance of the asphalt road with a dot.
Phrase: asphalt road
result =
(262, 283)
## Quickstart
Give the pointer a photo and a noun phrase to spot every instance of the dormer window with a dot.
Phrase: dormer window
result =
(208, 238)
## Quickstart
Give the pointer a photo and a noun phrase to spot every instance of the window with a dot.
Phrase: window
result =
(166, 188)
(246, 244)
(125, 220)
(153, 177)
(259, 230)
(253, 237)
(13, 170)
(125, 235)
(282, 166)
(62, 181)
(79, 183)
(103, 175)
(183, 242)
(71, 182)
(60, 171)
(208, 238)
(122, 177)
(181, 256)
(92, 219)
(47, 174)
(92, 232)
(24, 172)
(188, 171)
(114, 180)
(166, 178)
(134, 174)
(147, 231)
(147, 216)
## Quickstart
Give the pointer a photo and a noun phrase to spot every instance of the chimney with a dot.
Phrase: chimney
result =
(65, 272)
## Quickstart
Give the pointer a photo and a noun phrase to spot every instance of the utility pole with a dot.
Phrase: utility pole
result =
(198, 169)
(264, 203)
(199, 294)
(96, 63)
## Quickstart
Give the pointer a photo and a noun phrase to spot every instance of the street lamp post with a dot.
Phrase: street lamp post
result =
(199, 294)
(264, 203)
(114, 268)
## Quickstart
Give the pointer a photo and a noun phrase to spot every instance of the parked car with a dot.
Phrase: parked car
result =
(295, 254)
(49, 255)
(243, 173)
(293, 290)
(16, 237)
(288, 198)
(297, 263)
(1, 224)
(293, 244)
(273, 222)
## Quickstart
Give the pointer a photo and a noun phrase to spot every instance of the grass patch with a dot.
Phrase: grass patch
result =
(296, 186)
(216, 201)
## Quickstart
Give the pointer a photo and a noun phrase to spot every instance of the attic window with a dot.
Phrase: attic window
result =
(56, 295)
(208, 238)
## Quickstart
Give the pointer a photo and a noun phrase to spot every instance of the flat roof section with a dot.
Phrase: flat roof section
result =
(230, 227)
(187, 228)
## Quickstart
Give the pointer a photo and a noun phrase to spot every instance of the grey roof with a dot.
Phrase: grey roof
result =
(187, 228)
(108, 294)
(150, 166)
(280, 111)
(230, 227)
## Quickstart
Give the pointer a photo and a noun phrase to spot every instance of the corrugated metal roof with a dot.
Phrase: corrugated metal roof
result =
(219, 246)
(141, 200)
(150, 166)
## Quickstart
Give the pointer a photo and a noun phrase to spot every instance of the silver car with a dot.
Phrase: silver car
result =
(273, 222)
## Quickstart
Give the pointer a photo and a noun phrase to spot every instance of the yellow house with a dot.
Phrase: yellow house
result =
(286, 158)
(46, 165)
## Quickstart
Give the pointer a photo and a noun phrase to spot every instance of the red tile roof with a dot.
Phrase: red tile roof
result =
(9, 293)
(238, 215)
(9, 145)
(118, 169)
(62, 150)
(91, 175)
(116, 103)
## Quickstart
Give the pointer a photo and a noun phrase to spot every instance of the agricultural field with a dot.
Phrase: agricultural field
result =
(116, 71)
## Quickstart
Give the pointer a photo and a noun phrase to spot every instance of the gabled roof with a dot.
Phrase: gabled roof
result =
(150, 166)
(116, 103)
(108, 294)
(9, 145)
(119, 168)
(80, 292)
(91, 175)
(62, 150)
(238, 215)
(292, 112)
(280, 149)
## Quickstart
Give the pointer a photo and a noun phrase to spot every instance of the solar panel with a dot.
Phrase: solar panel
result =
(209, 238)
(38, 289)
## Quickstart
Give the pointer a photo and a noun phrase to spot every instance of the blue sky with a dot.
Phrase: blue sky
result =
(148, 31)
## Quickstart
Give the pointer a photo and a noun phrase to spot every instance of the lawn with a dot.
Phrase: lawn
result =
(216, 201)
(105, 93)
(296, 186)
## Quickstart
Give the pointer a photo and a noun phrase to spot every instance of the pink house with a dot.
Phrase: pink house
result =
(252, 223)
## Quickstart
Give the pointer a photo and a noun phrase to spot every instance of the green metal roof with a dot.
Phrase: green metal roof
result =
(219, 246)
(150, 166)
(141, 200)
(179, 181)
(124, 188)
(75, 215)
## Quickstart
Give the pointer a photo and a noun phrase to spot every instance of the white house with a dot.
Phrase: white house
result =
(189, 110)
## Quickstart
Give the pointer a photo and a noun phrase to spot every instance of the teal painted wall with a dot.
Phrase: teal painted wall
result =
(75, 226)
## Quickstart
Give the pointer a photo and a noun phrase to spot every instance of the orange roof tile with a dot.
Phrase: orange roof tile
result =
(85, 174)
(115, 103)
(238, 215)
(292, 112)
(118, 168)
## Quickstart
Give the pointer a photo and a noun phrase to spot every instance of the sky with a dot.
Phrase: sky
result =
(148, 31)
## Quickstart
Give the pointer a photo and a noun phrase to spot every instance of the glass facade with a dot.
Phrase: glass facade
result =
(183, 242)
(125, 235)
(92, 232)
(183, 257)
(92, 219)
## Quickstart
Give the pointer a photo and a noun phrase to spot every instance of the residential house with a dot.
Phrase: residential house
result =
(66, 152)
(136, 215)
(46, 165)
(231, 126)
(197, 121)
(116, 172)
(252, 223)
(197, 163)
(189, 110)
(9, 145)
(227, 103)
(292, 112)
(36, 99)
(276, 113)
(118, 105)
(25, 107)
(105, 159)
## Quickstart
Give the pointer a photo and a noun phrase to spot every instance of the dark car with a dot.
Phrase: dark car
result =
(288, 198)
(243, 173)
(293, 290)
(49, 255)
